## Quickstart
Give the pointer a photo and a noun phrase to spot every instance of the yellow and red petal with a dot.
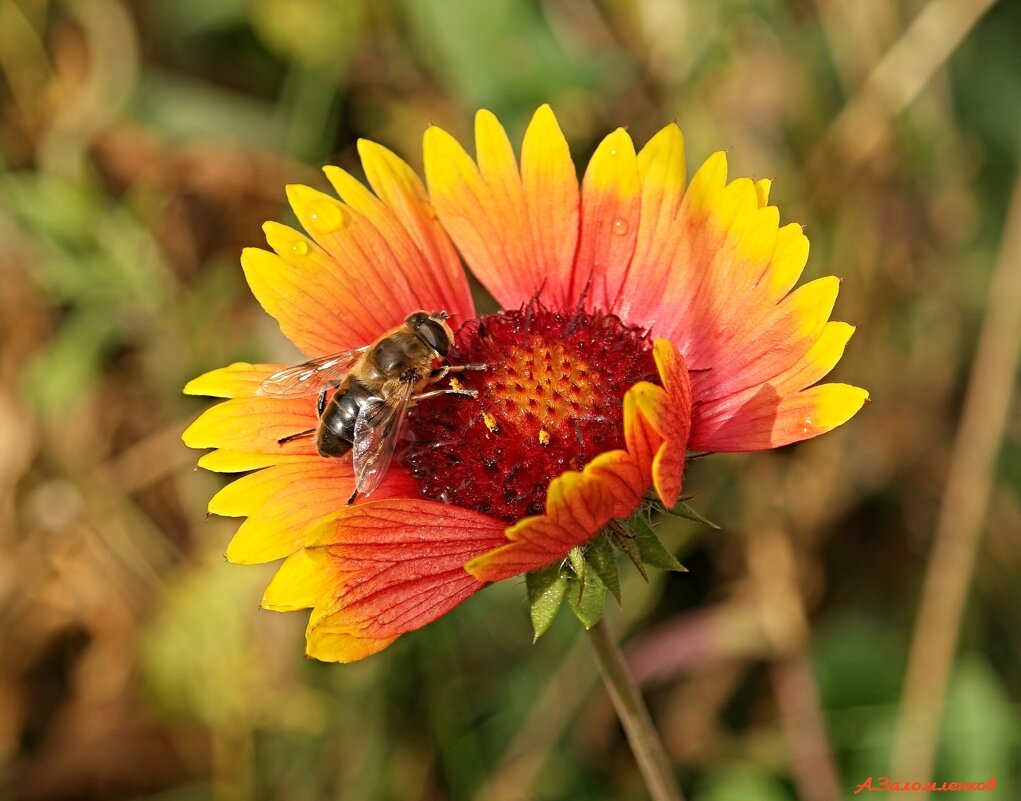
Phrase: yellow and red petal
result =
(223, 460)
(788, 262)
(383, 290)
(611, 201)
(387, 567)
(313, 301)
(238, 380)
(242, 380)
(552, 197)
(718, 268)
(767, 420)
(662, 172)
(255, 425)
(402, 190)
(402, 212)
(364, 266)
(517, 229)
(283, 504)
(723, 248)
(715, 423)
(779, 340)
(818, 360)
(300, 583)
(328, 644)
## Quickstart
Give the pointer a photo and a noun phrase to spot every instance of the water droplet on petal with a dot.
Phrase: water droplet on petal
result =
(613, 152)
(299, 247)
(807, 422)
(324, 218)
(620, 226)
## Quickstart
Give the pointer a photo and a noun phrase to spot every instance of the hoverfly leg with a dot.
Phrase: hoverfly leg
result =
(321, 402)
(440, 372)
(289, 437)
(436, 392)
(351, 500)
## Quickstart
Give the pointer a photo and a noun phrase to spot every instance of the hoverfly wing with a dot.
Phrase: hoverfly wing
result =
(310, 377)
(377, 430)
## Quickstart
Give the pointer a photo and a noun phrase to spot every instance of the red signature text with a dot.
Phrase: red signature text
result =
(884, 785)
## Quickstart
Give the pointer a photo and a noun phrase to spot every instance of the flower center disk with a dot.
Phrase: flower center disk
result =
(550, 400)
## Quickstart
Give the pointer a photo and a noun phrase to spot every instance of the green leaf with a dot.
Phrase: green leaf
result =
(652, 551)
(577, 559)
(546, 589)
(586, 592)
(602, 559)
(627, 544)
(683, 510)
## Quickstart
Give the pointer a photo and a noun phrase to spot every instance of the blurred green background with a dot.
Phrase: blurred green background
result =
(143, 143)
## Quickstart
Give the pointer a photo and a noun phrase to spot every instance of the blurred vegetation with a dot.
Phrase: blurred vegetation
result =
(143, 143)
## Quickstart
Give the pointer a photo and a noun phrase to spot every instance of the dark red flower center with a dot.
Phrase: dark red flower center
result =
(549, 400)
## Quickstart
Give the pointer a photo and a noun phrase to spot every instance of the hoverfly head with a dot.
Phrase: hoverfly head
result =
(433, 330)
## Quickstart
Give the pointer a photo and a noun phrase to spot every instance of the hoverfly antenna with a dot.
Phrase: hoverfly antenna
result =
(444, 315)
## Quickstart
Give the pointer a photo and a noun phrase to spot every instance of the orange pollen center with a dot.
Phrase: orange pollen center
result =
(539, 391)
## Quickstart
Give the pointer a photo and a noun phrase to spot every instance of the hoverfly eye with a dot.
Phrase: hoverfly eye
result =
(434, 335)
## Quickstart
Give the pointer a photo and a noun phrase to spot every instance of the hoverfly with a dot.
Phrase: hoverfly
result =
(375, 385)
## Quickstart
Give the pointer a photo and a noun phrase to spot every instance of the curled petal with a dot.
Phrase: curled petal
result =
(580, 503)
(668, 411)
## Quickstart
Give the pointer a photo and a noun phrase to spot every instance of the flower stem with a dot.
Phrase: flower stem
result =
(645, 743)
